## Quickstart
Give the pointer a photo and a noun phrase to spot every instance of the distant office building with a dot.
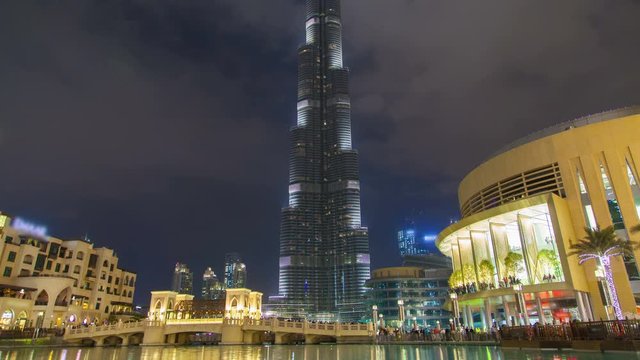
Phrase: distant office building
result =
(412, 241)
(423, 292)
(182, 279)
(240, 275)
(235, 271)
(212, 288)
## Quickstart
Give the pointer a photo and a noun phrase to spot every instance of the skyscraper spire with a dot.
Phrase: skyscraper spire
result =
(324, 249)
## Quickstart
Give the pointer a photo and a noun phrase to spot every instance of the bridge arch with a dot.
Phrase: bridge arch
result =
(318, 339)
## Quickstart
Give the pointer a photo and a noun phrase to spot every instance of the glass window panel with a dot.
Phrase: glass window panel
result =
(516, 266)
(635, 189)
(586, 203)
(618, 222)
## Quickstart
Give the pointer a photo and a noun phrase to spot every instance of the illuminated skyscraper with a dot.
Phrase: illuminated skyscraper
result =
(182, 279)
(212, 288)
(235, 271)
(413, 242)
(324, 249)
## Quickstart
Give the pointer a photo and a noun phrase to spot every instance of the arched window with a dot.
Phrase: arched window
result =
(80, 255)
(130, 293)
(105, 263)
(106, 309)
(64, 297)
(158, 305)
(43, 298)
(126, 280)
(76, 269)
(131, 282)
(7, 319)
(28, 259)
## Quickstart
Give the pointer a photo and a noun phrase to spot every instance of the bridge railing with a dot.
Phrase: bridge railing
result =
(300, 326)
(195, 321)
(628, 329)
(105, 328)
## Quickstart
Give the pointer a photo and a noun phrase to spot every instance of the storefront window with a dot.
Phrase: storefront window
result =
(7, 320)
(514, 247)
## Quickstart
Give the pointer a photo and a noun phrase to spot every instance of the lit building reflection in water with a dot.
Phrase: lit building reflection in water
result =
(294, 352)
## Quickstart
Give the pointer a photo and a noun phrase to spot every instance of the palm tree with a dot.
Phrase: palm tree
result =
(601, 245)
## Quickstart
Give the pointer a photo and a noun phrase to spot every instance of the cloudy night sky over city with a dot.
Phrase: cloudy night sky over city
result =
(160, 128)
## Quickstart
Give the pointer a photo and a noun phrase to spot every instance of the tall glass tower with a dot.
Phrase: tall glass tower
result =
(324, 249)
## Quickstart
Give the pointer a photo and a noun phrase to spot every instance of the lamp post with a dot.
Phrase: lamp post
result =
(602, 280)
(456, 309)
(374, 317)
(522, 305)
(401, 314)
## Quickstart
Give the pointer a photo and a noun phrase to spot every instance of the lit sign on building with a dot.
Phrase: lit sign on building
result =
(430, 237)
(29, 228)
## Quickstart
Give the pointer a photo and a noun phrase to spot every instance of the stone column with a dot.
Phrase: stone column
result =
(525, 313)
(588, 306)
(541, 318)
(581, 310)
(469, 315)
(507, 311)
(464, 316)
(487, 314)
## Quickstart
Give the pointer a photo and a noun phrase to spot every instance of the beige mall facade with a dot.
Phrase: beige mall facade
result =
(524, 207)
(46, 282)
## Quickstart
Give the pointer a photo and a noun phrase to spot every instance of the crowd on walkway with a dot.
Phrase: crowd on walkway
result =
(438, 334)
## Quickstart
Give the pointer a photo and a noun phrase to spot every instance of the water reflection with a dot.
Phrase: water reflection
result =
(311, 352)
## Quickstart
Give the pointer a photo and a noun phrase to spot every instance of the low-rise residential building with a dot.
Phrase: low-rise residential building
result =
(48, 282)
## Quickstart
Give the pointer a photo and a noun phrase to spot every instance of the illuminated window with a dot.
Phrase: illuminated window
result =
(586, 202)
(635, 189)
(618, 221)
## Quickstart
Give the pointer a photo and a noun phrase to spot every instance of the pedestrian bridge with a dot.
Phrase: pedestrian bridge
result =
(231, 331)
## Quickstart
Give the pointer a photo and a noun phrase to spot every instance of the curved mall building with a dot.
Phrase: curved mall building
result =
(523, 208)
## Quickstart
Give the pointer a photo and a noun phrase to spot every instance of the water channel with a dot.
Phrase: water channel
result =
(301, 352)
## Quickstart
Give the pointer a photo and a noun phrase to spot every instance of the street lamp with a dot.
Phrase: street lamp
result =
(374, 317)
(605, 289)
(401, 314)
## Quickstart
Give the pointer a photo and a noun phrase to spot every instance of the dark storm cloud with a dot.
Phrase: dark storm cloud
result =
(164, 123)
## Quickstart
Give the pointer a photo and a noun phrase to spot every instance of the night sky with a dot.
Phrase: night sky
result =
(160, 128)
